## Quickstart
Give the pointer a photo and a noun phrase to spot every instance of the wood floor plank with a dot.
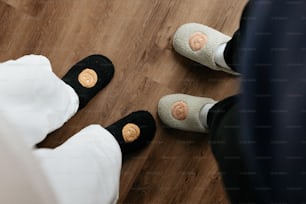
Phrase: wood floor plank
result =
(136, 35)
(30, 7)
(165, 178)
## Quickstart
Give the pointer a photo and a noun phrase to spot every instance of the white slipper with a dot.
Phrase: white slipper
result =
(199, 43)
(181, 111)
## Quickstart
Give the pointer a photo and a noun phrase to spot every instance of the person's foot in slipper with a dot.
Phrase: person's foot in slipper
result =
(185, 112)
(134, 131)
(89, 76)
(202, 44)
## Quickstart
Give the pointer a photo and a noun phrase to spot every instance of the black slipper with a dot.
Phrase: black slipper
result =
(89, 76)
(134, 131)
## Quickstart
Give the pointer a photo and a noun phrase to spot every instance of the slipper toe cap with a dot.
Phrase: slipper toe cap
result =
(89, 76)
(142, 131)
(205, 39)
(181, 111)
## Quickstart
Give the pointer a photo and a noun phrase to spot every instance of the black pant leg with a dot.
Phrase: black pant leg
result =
(231, 50)
(224, 124)
(272, 60)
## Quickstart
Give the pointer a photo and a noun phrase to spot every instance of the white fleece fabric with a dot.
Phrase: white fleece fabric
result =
(34, 102)
(33, 98)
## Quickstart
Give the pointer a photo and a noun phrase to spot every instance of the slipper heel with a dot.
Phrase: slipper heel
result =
(89, 76)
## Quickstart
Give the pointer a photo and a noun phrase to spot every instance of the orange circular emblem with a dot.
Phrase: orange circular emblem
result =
(88, 78)
(130, 132)
(179, 110)
(197, 41)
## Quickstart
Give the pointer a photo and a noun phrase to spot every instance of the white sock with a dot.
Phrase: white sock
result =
(204, 113)
(219, 56)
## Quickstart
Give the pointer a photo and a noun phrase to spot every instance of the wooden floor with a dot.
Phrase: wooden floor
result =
(177, 167)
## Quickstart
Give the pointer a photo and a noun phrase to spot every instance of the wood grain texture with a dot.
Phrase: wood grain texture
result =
(136, 35)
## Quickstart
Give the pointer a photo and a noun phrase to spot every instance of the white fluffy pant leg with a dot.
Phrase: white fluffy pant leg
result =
(33, 99)
(34, 102)
(85, 169)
